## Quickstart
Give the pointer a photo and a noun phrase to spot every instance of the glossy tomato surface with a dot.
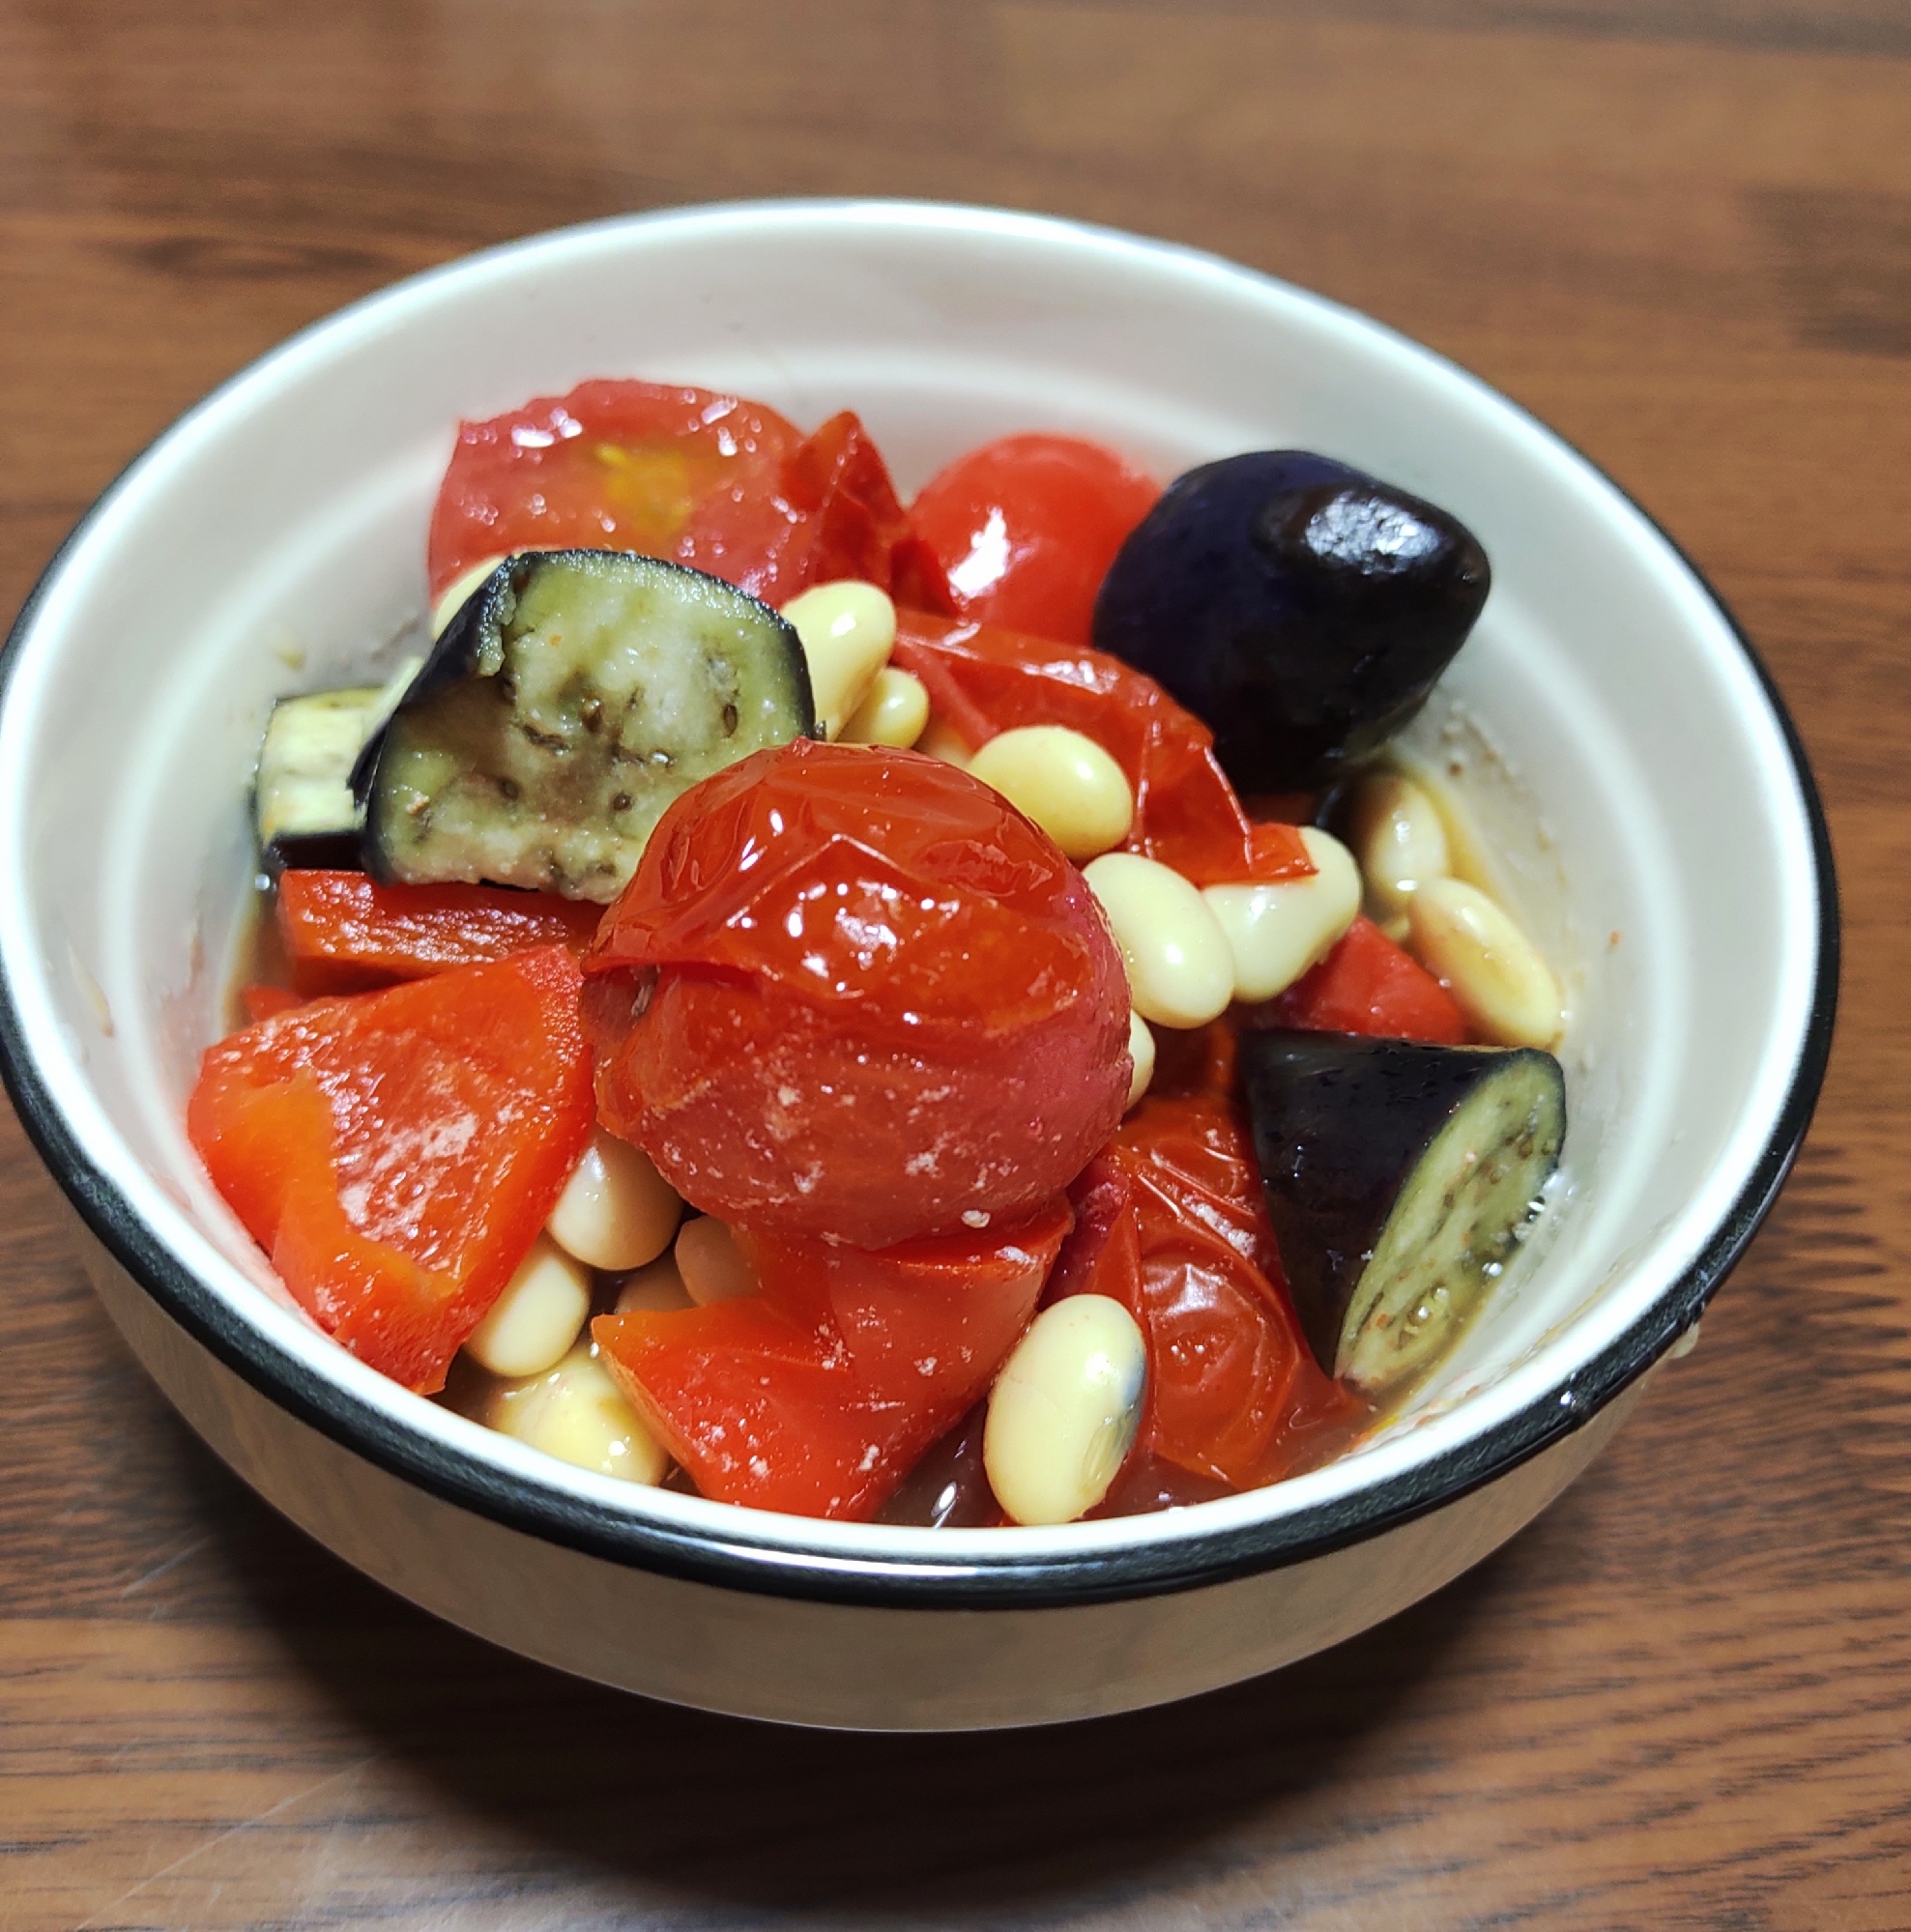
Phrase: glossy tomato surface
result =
(1170, 1221)
(722, 485)
(1025, 529)
(852, 992)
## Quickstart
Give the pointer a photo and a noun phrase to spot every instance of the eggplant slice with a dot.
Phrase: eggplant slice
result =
(1400, 1178)
(303, 806)
(571, 699)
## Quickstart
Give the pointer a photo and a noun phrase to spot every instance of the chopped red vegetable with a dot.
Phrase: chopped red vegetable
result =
(1026, 527)
(854, 991)
(818, 1396)
(404, 932)
(396, 1153)
(1368, 985)
(1172, 1222)
(983, 679)
(713, 481)
(265, 1002)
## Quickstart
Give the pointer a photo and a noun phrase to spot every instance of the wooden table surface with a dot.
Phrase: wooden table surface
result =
(1680, 230)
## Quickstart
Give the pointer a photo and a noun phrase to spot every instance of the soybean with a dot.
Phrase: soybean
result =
(532, 1323)
(1493, 972)
(616, 1211)
(1180, 966)
(1277, 930)
(1399, 841)
(452, 599)
(893, 713)
(711, 1263)
(577, 1413)
(848, 630)
(1141, 1051)
(1065, 781)
(1065, 1409)
(657, 1289)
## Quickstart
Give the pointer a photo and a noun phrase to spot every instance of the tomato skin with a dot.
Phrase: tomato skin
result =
(1172, 1222)
(1368, 985)
(478, 1078)
(1025, 529)
(715, 481)
(983, 679)
(853, 992)
(346, 919)
(818, 1396)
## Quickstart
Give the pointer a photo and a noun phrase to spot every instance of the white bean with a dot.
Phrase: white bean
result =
(895, 712)
(1180, 966)
(1065, 1409)
(657, 1289)
(577, 1413)
(1065, 781)
(943, 741)
(615, 1211)
(1493, 972)
(534, 1321)
(1141, 1050)
(711, 1263)
(1277, 930)
(455, 594)
(1399, 841)
(848, 630)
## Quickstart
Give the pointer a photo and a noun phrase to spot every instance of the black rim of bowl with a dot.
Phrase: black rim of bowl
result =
(729, 1556)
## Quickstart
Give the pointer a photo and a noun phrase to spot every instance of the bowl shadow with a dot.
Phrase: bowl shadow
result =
(657, 1800)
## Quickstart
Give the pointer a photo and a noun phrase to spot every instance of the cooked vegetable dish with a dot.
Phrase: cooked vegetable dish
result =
(953, 1014)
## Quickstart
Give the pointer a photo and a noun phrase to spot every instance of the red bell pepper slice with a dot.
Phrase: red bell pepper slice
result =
(715, 481)
(1172, 1222)
(983, 680)
(349, 921)
(395, 1153)
(1368, 985)
(818, 1396)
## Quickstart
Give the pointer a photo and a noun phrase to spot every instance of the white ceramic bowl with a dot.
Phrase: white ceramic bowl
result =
(1613, 731)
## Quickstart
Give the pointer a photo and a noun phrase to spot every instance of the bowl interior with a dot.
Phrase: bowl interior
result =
(1603, 726)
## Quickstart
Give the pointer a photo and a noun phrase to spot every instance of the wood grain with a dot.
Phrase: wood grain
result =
(1681, 233)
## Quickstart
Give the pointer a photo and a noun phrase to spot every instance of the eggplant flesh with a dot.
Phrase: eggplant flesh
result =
(1401, 1177)
(304, 808)
(572, 698)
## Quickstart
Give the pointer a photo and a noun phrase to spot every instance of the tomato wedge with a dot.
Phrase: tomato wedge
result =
(1170, 1223)
(1368, 985)
(345, 919)
(853, 992)
(395, 1153)
(983, 679)
(715, 481)
(819, 1394)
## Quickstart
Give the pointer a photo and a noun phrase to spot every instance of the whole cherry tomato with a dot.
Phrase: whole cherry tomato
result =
(1026, 528)
(854, 991)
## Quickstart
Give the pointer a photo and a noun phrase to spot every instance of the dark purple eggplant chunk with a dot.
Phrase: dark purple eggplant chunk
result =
(571, 698)
(1302, 609)
(1400, 1178)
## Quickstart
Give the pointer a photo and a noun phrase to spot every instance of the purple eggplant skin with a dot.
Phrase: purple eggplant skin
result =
(1400, 1176)
(1300, 608)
